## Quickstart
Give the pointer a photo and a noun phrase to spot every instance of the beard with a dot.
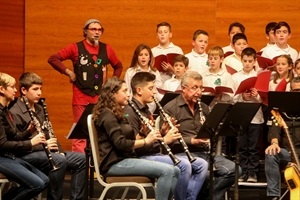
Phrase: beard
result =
(95, 41)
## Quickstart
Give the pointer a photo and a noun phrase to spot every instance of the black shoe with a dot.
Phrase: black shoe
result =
(273, 198)
(243, 177)
(252, 178)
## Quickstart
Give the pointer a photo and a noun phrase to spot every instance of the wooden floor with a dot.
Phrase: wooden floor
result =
(244, 192)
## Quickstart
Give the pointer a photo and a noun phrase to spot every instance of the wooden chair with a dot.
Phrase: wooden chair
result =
(3, 181)
(118, 182)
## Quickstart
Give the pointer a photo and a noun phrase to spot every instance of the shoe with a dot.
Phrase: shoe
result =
(252, 178)
(243, 177)
(273, 198)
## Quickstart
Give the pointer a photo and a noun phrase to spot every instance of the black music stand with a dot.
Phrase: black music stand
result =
(235, 124)
(168, 96)
(207, 98)
(208, 130)
(79, 130)
(285, 101)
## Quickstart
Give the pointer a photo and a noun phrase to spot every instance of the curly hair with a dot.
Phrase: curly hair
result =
(106, 99)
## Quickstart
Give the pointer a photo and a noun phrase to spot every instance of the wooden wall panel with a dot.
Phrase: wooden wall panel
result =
(12, 37)
(255, 15)
(50, 25)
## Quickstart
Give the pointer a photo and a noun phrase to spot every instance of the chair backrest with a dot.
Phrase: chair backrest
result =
(95, 148)
(140, 182)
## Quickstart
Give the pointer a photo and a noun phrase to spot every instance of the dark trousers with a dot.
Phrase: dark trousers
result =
(249, 148)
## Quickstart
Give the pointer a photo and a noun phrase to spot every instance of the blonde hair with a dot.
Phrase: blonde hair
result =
(6, 79)
(216, 51)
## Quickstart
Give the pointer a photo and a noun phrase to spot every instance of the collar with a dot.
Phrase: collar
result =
(171, 45)
(222, 71)
(139, 69)
(251, 73)
(23, 108)
(203, 55)
(277, 48)
(180, 100)
(139, 105)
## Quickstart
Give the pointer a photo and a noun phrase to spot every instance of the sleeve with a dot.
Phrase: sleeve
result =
(133, 119)
(114, 132)
(128, 78)
(114, 61)
(12, 146)
(274, 132)
(228, 97)
(69, 52)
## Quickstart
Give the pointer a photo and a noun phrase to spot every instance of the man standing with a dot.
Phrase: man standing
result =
(90, 58)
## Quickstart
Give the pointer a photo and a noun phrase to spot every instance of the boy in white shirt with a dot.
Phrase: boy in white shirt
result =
(180, 67)
(282, 34)
(165, 46)
(217, 76)
(270, 35)
(239, 43)
(198, 57)
(233, 29)
(248, 149)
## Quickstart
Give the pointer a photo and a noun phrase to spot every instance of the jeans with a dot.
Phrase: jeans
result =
(167, 175)
(31, 180)
(249, 150)
(272, 170)
(191, 178)
(40, 161)
(224, 173)
(76, 164)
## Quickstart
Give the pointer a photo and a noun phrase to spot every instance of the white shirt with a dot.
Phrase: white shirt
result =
(274, 50)
(171, 48)
(232, 61)
(237, 79)
(197, 62)
(268, 45)
(222, 78)
(172, 84)
(130, 72)
(228, 49)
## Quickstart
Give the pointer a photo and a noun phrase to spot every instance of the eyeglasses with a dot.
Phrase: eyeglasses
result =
(195, 88)
(96, 29)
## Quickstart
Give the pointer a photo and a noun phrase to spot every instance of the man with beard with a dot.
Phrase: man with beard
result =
(90, 58)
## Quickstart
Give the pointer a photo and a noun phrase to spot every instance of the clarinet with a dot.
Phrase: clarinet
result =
(181, 141)
(36, 124)
(202, 117)
(145, 121)
(47, 123)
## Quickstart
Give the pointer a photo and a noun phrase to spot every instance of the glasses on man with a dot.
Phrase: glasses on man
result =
(195, 88)
(96, 29)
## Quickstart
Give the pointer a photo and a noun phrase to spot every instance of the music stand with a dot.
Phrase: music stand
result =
(285, 101)
(236, 123)
(168, 96)
(79, 130)
(208, 130)
(207, 99)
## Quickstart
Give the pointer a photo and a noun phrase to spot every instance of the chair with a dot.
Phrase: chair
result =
(3, 181)
(126, 182)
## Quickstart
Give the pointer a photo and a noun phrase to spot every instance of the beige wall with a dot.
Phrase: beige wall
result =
(50, 25)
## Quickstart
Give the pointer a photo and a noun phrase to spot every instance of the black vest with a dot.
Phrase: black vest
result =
(89, 74)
